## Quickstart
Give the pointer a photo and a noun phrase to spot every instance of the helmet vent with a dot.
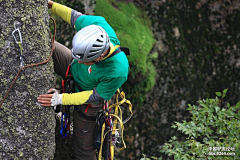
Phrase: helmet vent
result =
(94, 45)
(80, 55)
(91, 56)
(94, 50)
(99, 40)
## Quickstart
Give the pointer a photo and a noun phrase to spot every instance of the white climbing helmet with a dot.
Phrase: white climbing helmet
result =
(89, 43)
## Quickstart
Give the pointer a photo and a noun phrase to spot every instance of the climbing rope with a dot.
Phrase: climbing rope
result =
(116, 126)
(21, 57)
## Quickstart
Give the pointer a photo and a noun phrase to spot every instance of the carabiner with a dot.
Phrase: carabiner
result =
(19, 43)
(20, 36)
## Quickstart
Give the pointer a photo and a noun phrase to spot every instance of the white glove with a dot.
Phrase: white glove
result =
(56, 98)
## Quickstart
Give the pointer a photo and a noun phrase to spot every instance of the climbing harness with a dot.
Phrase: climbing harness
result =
(68, 83)
(22, 66)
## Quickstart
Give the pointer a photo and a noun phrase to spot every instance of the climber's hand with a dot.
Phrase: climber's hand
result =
(50, 3)
(53, 98)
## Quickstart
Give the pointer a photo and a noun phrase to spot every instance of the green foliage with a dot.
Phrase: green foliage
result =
(212, 129)
(133, 30)
(152, 158)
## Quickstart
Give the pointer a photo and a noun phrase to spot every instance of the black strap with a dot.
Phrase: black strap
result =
(70, 84)
(115, 52)
(124, 49)
(80, 89)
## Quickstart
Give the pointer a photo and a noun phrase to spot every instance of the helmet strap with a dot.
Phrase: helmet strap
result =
(96, 62)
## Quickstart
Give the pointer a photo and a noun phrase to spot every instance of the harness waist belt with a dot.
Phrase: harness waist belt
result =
(81, 114)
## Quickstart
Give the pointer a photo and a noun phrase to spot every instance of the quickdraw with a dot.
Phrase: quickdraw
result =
(113, 124)
(19, 43)
(22, 66)
(65, 123)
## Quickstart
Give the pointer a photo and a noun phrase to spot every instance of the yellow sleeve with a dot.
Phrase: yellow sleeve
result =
(62, 11)
(76, 98)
